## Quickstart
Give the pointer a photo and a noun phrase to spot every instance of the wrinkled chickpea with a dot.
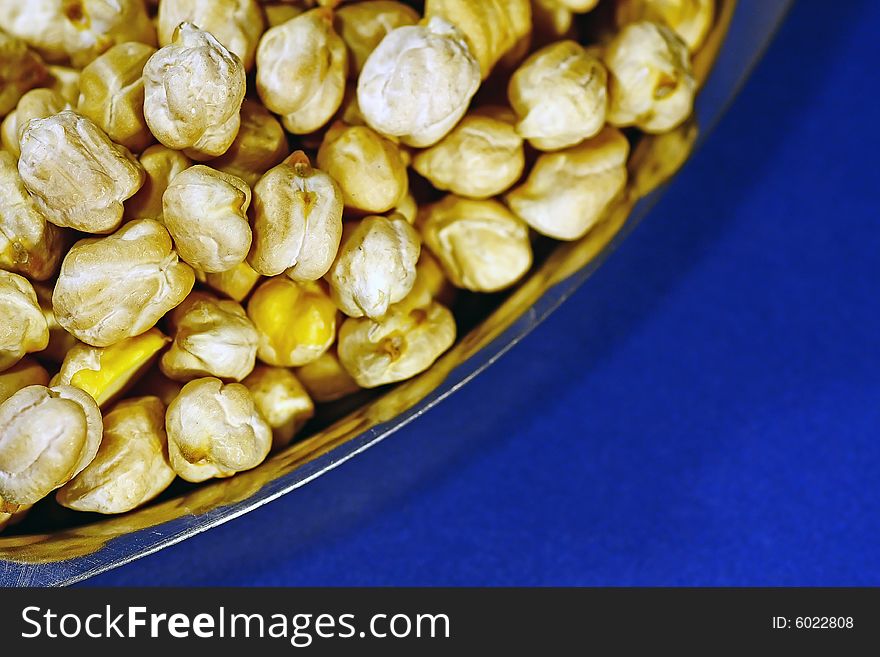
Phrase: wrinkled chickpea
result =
(482, 156)
(282, 401)
(64, 80)
(131, 466)
(47, 437)
(119, 286)
(205, 211)
(20, 71)
(325, 379)
(296, 322)
(260, 145)
(235, 283)
(370, 170)
(77, 176)
(689, 19)
(482, 246)
(161, 165)
(363, 25)
(26, 372)
(418, 82)
(376, 265)
(35, 104)
(237, 24)
(567, 192)
(193, 91)
(559, 95)
(112, 94)
(23, 329)
(301, 70)
(215, 430)
(651, 82)
(297, 221)
(212, 337)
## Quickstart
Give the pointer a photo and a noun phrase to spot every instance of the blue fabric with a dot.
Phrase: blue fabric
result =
(705, 411)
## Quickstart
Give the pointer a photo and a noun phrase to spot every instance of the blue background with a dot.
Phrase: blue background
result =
(704, 411)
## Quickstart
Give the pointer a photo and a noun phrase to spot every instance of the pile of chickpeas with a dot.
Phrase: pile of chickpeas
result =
(215, 213)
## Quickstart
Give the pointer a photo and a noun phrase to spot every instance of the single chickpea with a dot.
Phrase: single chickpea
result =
(131, 466)
(23, 329)
(296, 322)
(235, 283)
(112, 94)
(26, 372)
(363, 25)
(35, 104)
(47, 437)
(567, 192)
(297, 221)
(205, 211)
(215, 430)
(482, 245)
(77, 176)
(418, 82)
(20, 71)
(161, 165)
(325, 379)
(482, 156)
(193, 91)
(689, 19)
(282, 401)
(260, 145)
(651, 82)
(64, 80)
(119, 286)
(376, 265)
(370, 170)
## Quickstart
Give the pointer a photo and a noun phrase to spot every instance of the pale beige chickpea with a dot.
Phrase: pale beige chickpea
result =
(301, 70)
(567, 192)
(29, 245)
(690, 19)
(77, 176)
(325, 379)
(376, 265)
(282, 401)
(215, 430)
(193, 91)
(47, 437)
(482, 156)
(76, 30)
(363, 25)
(559, 94)
(23, 329)
(35, 104)
(213, 337)
(65, 81)
(20, 71)
(651, 82)
(492, 27)
(131, 466)
(26, 372)
(418, 82)
(161, 165)
(260, 145)
(297, 221)
(370, 170)
(205, 211)
(119, 286)
(237, 24)
(112, 94)
(482, 245)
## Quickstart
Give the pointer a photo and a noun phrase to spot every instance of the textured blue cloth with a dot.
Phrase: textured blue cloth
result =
(705, 411)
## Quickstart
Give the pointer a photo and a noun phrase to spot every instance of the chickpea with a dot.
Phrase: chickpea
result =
(690, 19)
(205, 211)
(280, 12)
(23, 329)
(481, 244)
(296, 322)
(77, 176)
(64, 80)
(131, 466)
(260, 145)
(237, 24)
(235, 283)
(29, 245)
(215, 430)
(482, 156)
(325, 379)
(161, 165)
(370, 169)
(112, 94)
(651, 82)
(492, 27)
(78, 30)
(20, 71)
(407, 208)
(568, 191)
(297, 221)
(363, 25)
(301, 70)
(26, 372)
(119, 286)
(376, 265)
(193, 91)
(212, 337)
(418, 82)
(559, 95)
(282, 401)
(60, 341)
(35, 104)
(431, 280)
(47, 437)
